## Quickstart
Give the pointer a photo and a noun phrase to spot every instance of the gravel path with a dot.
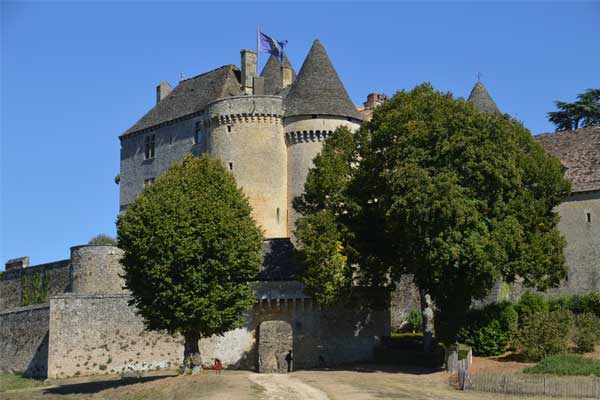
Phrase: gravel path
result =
(284, 387)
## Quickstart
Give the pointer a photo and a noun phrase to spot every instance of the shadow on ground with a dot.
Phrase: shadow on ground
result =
(98, 386)
(389, 368)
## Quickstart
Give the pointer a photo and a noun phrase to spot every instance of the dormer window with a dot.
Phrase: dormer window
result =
(149, 147)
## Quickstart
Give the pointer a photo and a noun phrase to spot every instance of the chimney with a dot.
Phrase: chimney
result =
(249, 70)
(258, 85)
(375, 100)
(286, 76)
(17, 263)
(162, 90)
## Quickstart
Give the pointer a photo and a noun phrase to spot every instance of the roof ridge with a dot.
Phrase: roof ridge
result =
(208, 72)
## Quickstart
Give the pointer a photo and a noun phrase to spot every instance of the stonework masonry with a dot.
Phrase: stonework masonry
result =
(24, 340)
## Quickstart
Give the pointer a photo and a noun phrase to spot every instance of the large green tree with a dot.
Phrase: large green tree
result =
(583, 112)
(191, 247)
(434, 188)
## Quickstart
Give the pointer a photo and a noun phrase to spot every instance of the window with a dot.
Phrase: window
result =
(231, 166)
(228, 128)
(149, 147)
(277, 214)
(148, 181)
(197, 133)
(588, 217)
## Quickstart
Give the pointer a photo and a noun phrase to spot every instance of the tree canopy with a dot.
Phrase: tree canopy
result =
(191, 247)
(434, 188)
(583, 112)
(103, 239)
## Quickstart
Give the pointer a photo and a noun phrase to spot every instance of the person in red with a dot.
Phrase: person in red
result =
(218, 366)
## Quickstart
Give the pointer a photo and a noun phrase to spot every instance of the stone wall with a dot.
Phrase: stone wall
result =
(12, 282)
(95, 334)
(403, 300)
(96, 269)
(24, 340)
(91, 334)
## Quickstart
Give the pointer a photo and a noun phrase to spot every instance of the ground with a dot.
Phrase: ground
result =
(358, 382)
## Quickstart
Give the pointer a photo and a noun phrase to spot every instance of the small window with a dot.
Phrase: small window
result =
(228, 128)
(588, 217)
(149, 147)
(231, 166)
(277, 214)
(148, 181)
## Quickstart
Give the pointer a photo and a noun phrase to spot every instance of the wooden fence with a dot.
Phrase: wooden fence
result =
(524, 384)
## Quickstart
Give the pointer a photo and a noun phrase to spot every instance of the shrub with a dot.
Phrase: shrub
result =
(414, 323)
(578, 303)
(587, 328)
(531, 303)
(566, 364)
(489, 330)
(544, 333)
(103, 239)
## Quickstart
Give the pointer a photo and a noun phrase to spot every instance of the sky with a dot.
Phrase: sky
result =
(75, 75)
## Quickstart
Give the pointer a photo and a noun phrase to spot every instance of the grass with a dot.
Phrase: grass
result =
(566, 364)
(12, 382)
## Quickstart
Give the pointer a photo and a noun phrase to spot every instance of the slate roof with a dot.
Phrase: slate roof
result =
(318, 89)
(579, 152)
(191, 96)
(272, 74)
(280, 263)
(482, 100)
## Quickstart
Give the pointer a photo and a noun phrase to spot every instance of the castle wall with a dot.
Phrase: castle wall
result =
(583, 241)
(91, 334)
(97, 269)
(403, 300)
(172, 143)
(12, 282)
(304, 137)
(247, 135)
(24, 340)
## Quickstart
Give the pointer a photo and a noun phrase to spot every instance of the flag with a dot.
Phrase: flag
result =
(267, 44)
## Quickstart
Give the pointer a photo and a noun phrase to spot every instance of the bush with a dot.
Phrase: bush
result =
(489, 330)
(587, 328)
(531, 303)
(103, 239)
(544, 333)
(566, 364)
(578, 303)
(414, 323)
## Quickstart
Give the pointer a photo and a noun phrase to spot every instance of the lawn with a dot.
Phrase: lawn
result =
(566, 364)
(14, 382)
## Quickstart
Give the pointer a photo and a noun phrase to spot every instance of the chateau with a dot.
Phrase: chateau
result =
(71, 317)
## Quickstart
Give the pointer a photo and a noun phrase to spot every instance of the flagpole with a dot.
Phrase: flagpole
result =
(257, 47)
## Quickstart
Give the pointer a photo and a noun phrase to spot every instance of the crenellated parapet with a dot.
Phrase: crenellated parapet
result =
(242, 119)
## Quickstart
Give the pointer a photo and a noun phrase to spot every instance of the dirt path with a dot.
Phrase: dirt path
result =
(284, 387)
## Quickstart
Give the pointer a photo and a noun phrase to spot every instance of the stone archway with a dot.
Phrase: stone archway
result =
(275, 341)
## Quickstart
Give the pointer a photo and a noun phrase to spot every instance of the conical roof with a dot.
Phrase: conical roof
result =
(482, 100)
(318, 89)
(272, 74)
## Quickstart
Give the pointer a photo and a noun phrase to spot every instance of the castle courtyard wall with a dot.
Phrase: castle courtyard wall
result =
(12, 281)
(95, 334)
(24, 340)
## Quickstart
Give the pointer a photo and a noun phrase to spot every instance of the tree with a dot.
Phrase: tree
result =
(582, 113)
(434, 188)
(190, 249)
(103, 239)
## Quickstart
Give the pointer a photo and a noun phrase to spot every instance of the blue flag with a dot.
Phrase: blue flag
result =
(267, 44)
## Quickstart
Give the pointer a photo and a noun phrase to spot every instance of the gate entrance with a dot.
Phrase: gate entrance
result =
(275, 345)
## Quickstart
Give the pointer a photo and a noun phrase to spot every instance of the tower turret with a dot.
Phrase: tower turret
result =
(482, 100)
(315, 106)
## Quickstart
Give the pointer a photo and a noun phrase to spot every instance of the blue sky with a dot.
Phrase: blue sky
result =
(75, 75)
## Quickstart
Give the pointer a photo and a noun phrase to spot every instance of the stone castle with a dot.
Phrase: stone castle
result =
(71, 317)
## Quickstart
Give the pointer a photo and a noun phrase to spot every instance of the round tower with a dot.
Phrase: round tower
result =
(246, 133)
(315, 106)
(96, 269)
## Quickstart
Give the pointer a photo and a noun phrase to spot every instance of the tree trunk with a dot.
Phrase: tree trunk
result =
(427, 313)
(191, 351)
